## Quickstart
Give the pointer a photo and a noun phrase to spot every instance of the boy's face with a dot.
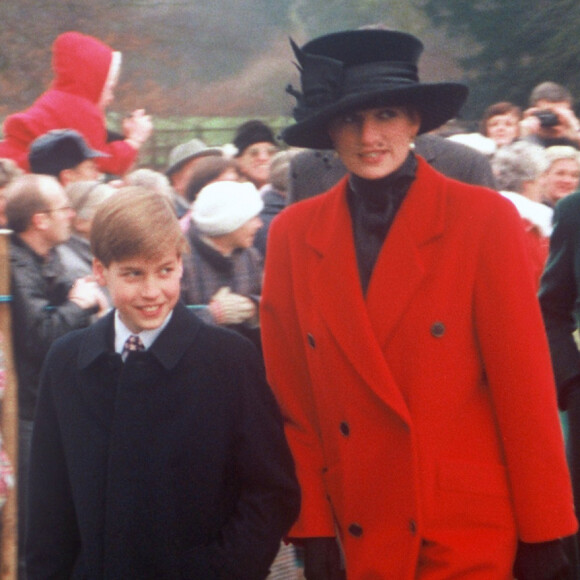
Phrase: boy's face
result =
(143, 291)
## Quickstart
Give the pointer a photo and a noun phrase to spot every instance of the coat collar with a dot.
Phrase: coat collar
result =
(421, 214)
(363, 326)
(168, 348)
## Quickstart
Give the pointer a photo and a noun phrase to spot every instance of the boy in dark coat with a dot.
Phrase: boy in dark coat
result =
(165, 458)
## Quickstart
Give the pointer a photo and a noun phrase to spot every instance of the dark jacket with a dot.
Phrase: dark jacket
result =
(171, 465)
(205, 271)
(559, 296)
(274, 203)
(313, 172)
(76, 257)
(41, 312)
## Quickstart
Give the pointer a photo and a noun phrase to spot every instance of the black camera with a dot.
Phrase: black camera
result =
(547, 118)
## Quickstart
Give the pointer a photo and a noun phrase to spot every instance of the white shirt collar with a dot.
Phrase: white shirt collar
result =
(122, 333)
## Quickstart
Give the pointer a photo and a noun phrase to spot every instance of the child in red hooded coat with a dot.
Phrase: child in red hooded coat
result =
(86, 73)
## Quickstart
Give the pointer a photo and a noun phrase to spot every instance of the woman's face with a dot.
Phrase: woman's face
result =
(254, 162)
(503, 129)
(373, 143)
(561, 179)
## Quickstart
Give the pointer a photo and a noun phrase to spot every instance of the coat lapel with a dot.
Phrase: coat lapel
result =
(337, 296)
(361, 328)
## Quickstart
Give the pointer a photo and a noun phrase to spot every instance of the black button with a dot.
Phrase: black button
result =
(355, 530)
(413, 526)
(311, 340)
(438, 329)
(345, 429)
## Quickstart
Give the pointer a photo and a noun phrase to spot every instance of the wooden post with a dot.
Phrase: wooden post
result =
(8, 419)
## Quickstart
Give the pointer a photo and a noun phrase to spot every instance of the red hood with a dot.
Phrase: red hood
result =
(81, 64)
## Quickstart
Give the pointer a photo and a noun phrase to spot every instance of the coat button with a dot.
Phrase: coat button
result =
(355, 530)
(311, 340)
(413, 526)
(437, 329)
(345, 429)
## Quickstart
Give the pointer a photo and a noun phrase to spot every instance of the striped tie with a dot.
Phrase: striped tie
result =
(132, 344)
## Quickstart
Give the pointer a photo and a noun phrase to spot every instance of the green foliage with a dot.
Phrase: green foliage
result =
(518, 44)
(315, 17)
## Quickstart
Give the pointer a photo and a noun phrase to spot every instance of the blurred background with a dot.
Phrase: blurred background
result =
(205, 66)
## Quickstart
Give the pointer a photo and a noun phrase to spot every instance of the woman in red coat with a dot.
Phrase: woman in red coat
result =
(86, 72)
(404, 342)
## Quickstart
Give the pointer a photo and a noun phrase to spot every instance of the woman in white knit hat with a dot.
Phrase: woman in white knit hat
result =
(222, 277)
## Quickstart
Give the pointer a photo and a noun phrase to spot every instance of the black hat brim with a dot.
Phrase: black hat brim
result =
(436, 103)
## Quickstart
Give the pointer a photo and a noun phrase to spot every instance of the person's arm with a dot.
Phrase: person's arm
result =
(516, 361)
(558, 294)
(269, 496)
(40, 319)
(284, 344)
(53, 541)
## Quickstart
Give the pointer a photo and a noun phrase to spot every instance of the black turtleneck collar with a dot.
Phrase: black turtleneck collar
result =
(373, 204)
(375, 192)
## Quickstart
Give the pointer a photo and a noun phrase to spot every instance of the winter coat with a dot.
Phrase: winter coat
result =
(76, 256)
(41, 313)
(559, 295)
(170, 465)
(274, 203)
(422, 414)
(205, 271)
(81, 65)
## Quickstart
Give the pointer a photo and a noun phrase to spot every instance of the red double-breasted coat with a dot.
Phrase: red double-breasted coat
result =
(422, 417)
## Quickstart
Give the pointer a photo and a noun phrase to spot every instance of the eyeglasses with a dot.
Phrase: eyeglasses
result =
(257, 151)
(64, 208)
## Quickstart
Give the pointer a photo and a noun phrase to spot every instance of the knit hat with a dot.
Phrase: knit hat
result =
(251, 132)
(224, 206)
(185, 152)
(58, 150)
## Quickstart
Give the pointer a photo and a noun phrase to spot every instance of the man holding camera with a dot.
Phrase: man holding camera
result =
(551, 120)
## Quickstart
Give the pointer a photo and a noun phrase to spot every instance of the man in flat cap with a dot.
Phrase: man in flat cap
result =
(64, 154)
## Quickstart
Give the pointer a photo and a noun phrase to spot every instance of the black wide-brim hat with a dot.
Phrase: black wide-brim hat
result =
(361, 69)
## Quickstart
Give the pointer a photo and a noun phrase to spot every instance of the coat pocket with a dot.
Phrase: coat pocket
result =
(470, 493)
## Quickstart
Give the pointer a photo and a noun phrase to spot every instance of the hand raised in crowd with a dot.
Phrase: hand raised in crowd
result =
(86, 293)
(228, 307)
(137, 128)
(567, 124)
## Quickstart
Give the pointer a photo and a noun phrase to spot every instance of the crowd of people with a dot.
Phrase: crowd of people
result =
(321, 354)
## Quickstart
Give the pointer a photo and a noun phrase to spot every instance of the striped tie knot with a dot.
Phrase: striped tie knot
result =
(133, 344)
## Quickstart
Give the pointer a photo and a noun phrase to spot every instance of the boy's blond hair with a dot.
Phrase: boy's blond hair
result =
(135, 222)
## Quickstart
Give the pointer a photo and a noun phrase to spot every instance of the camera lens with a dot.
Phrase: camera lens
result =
(547, 118)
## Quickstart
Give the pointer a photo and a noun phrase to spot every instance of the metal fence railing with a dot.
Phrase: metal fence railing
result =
(212, 131)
